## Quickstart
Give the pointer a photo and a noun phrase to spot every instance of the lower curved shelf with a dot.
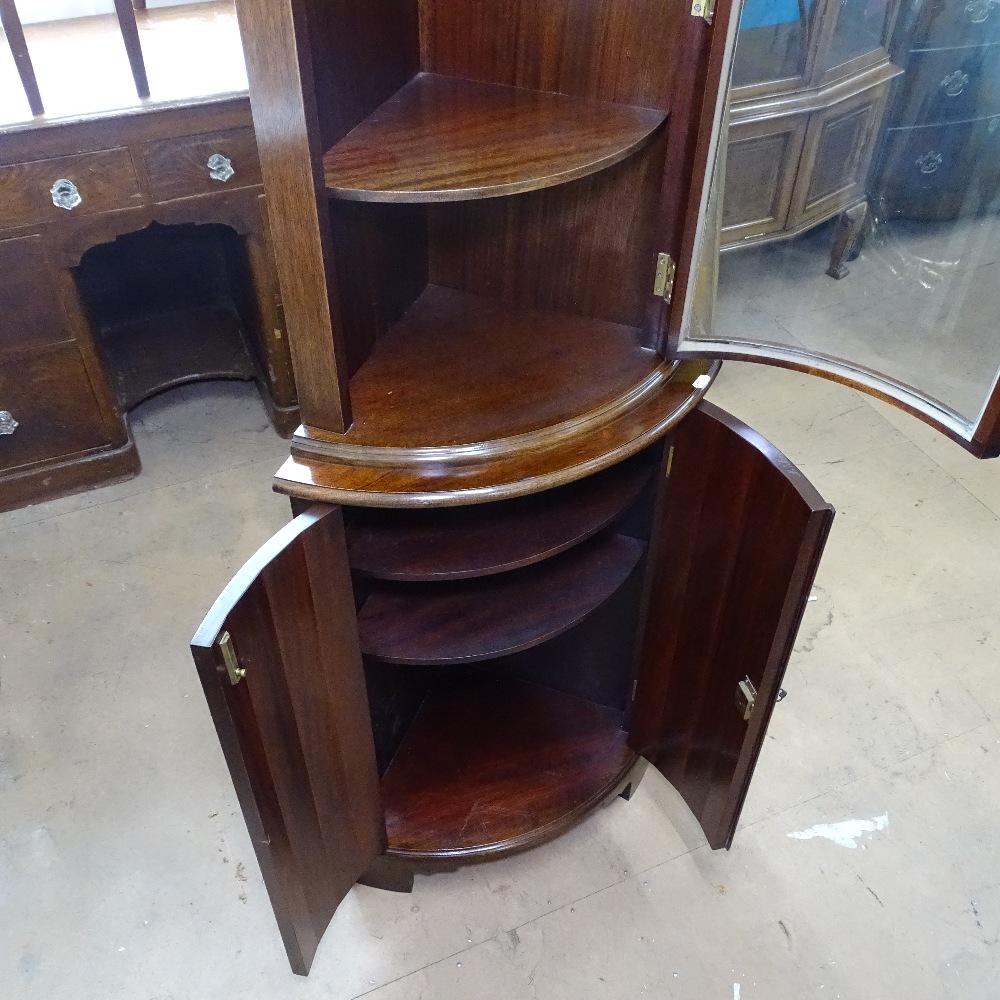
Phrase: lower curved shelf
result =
(493, 765)
(470, 620)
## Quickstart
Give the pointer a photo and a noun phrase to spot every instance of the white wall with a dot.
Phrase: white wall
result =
(32, 11)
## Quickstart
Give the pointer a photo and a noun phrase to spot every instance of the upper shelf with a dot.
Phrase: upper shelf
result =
(444, 139)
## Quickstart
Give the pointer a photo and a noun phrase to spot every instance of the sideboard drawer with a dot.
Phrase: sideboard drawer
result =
(958, 22)
(950, 85)
(47, 407)
(200, 164)
(51, 190)
(942, 171)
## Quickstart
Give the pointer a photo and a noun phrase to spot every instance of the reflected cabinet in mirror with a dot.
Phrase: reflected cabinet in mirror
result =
(877, 141)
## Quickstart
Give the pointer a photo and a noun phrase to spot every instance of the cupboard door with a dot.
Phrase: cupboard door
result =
(279, 660)
(738, 536)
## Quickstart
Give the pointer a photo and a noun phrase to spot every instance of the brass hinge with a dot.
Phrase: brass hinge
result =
(666, 269)
(233, 668)
(746, 698)
(703, 8)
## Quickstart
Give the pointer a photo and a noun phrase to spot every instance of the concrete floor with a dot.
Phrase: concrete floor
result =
(126, 872)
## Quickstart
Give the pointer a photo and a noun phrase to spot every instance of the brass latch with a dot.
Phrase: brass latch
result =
(666, 269)
(703, 8)
(233, 668)
(746, 698)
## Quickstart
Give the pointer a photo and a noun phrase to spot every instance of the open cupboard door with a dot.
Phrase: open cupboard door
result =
(279, 660)
(739, 535)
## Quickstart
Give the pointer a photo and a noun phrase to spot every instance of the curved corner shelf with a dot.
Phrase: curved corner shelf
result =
(492, 766)
(442, 138)
(472, 620)
(436, 545)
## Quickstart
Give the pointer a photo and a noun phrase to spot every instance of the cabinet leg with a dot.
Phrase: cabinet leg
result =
(845, 239)
(633, 779)
(389, 873)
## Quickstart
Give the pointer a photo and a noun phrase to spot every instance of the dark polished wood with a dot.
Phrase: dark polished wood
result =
(295, 729)
(739, 535)
(447, 139)
(436, 545)
(489, 617)
(986, 438)
(543, 463)
(460, 369)
(14, 34)
(599, 50)
(280, 69)
(492, 765)
(583, 248)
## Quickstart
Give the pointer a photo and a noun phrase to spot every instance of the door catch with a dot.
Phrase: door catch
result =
(233, 668)
(746, 698)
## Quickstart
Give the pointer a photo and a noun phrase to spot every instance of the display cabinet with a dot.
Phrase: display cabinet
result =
(528, 557)
(809, 88)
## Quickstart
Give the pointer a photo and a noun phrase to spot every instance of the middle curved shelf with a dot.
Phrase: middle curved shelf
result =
(442, 138)
(471, 620)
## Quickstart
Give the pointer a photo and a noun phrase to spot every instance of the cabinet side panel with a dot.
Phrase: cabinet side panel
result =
(740, 533)
(585, 247)
(362, 53)
(279, 66)
(381, 257)
(600, 49)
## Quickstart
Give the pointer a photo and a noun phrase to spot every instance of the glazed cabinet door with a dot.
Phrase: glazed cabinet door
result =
(738, 536)
(915, 324)
(279, 660)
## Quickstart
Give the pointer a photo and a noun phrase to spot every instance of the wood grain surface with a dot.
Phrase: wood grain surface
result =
(602, 50)
(48, 393)
(446, 139)
(178, 168)
(105, 180)
(738, 537)
(492, 538)
(496, 764)
(465, 479)
(470, 620)
(295, 729)
(459, 369)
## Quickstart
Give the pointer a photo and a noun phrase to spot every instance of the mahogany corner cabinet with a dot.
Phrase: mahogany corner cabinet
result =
(527, 558)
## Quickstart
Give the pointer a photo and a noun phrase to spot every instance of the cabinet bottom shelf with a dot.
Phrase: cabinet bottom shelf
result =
(493, 765)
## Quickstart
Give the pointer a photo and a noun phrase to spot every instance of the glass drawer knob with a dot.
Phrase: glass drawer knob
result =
(220, 168)
(929, 162)
(979, 10)
(954, 83)
(65, 195)
(7, 422)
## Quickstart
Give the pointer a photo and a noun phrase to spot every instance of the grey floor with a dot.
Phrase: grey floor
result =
(867, 864)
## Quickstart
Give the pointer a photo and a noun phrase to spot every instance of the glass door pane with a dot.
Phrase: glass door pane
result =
(772, 42)
(914, 316)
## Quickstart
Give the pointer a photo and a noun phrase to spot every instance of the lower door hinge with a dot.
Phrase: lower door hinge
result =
(233, 668)
(746, 698)
(666, 270)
